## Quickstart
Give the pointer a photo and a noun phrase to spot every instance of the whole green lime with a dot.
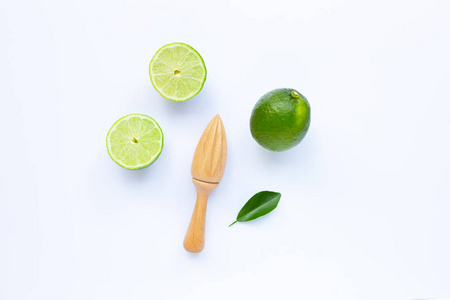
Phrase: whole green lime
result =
(280, 119)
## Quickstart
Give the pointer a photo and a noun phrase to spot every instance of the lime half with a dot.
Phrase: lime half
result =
(134, 141)
(177, 72)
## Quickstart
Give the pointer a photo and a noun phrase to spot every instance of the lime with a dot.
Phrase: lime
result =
(177, 72)
(134, 141)
(280, 119)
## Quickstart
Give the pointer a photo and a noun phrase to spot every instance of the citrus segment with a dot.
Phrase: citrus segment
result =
(135, 141)
(177, 72)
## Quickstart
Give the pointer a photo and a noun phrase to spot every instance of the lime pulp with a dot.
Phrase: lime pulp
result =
(134, 141)
(177, 72)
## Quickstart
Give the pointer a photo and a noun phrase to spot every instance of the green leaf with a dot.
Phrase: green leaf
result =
(259, 205)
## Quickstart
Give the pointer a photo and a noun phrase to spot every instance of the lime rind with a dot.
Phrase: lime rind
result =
(166, 62)
(146, 143)
(280, 119)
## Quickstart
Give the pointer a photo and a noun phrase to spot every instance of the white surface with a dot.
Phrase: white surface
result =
(364, 212)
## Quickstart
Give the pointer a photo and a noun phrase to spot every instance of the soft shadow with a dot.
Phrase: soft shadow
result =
(302, 164)
(300, 155)
(136, 176)
(198, 103)
(192, 255)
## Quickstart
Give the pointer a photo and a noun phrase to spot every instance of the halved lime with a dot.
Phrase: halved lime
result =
(134, 141)
(177, 72)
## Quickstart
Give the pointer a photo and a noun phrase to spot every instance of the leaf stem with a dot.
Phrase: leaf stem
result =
(232, 223)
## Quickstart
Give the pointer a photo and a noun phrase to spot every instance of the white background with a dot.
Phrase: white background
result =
(365, 207)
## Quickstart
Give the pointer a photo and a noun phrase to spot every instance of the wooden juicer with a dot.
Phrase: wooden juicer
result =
(207, 170)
